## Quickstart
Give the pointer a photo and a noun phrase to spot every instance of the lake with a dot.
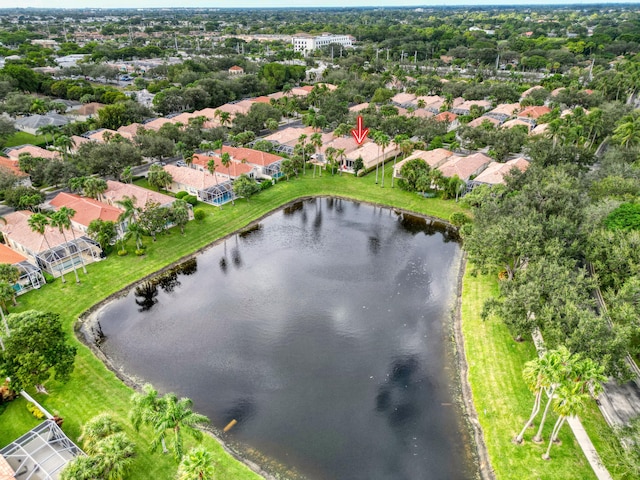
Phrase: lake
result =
(324, 331)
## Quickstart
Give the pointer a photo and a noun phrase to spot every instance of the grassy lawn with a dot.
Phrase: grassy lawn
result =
(501, 398)
(23, 138)
(504, 403)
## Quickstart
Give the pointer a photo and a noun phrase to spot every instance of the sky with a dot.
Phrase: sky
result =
(277, 3)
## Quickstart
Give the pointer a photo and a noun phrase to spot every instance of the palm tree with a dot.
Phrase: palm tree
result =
(69, 213)
(340, 154)
(114, 454)
(225, 159)
(398, 141)
(47, 130)
(135, 231)
(130, 210)
(146, 409)
(330, 153)
(302, 141)
(62, 221)
(6, 294)
(376, 140)
(383, 140)
(568, 402)
(64, 144)
(628, 131)
(176, 415)
(94, 187)
(96, 429)
(197, 464)
(211, 166)
(38, 222)
(316, 141)
(558, 369)
(536, 374)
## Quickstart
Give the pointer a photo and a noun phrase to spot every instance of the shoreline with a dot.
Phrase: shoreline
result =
(87, 321)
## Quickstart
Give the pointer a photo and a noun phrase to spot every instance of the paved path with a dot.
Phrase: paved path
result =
(578, 430)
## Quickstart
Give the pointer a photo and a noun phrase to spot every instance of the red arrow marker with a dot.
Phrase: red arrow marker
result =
(360, 134)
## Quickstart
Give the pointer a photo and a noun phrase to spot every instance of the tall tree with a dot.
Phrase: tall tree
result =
(316, 141)
(37, 346)
(38, 222)
(62, 221)
(197, 464)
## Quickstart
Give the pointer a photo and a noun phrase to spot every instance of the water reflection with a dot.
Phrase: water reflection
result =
(146, 294)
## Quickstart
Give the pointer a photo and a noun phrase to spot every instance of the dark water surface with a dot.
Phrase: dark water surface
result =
(321, 331)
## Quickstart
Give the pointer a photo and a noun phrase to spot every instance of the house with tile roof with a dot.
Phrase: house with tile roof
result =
(14, 152)
(156, 123)
(214, 189)
(30, 274)
(87, 210)
(495, 172)
(404, 99)
(236, 70)
(514, 122)
(484, 119)
(465, 107)
(78, 141)
(433, 158)
(129, 131)
(99, 135)
(504, 111)
(233, 171)
(12, 166)
(267, 164)
(55, 252)
(464, 167)
(117, 191)
(531, 114)
(371, 155)
(86, 111)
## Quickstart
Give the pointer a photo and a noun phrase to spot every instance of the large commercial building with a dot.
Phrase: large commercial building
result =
(303, 42)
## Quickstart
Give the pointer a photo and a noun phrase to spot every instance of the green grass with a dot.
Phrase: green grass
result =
(504, 403)
(23, 138)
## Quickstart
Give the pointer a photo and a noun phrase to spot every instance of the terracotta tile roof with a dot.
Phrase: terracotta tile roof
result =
(480, 120)
(17, 229)
(235, 168)
(14, 152)
(236, 68)
(528, 92)
(87, 209)
(300, 91)
(6, 472)
(464, 167)
(191, 177)
(347, 142)
(422, 113)
(116, 191)
(495, 172)
(539, 129)
(276, 95)
(534, 112)
(77, 141)
(402, 98)
(183, 118)
(289, 135)
(430, 101)
(555, 92)
(157, 123)
(514, 122)
(11, 165)
(11, 257)
(254, 157)
(507, 109)
(370, 153)
(262, 99)
(359, 107)
(446, 117)
(98, 135)
(89, 109)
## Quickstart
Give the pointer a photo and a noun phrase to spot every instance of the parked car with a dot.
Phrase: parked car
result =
(161, 164)
(181, 163)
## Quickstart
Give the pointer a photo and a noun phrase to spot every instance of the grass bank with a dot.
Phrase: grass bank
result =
(503, 402)
(24, 138)
(93, 388)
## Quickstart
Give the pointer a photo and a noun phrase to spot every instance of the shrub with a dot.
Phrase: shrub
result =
(199, 214)
(182, 194)
(35, 411)
(191, 200)
(266, 184)
(122, 253)
(140, 252)
(48, 277)
(459, 219)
